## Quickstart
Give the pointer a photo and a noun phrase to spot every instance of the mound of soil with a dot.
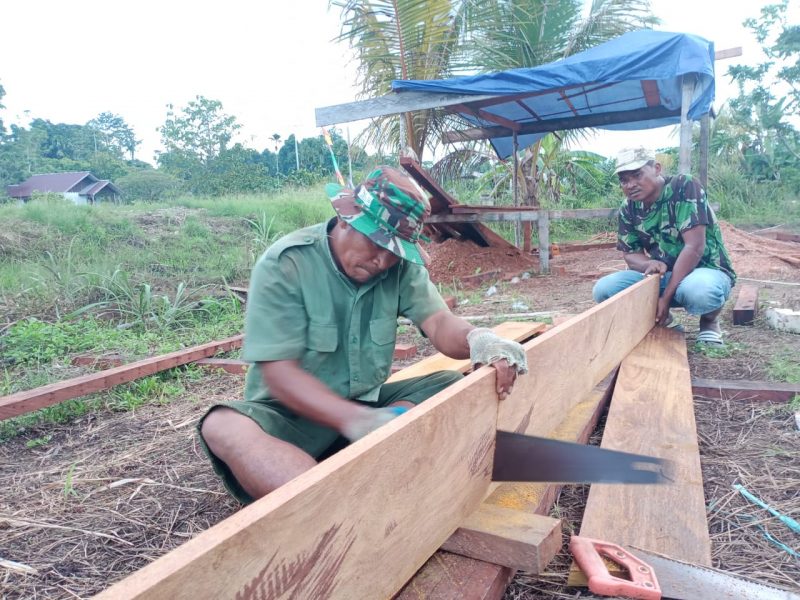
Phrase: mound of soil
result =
(456, 259)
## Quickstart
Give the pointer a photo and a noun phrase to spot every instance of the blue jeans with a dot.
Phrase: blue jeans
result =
(701, 291)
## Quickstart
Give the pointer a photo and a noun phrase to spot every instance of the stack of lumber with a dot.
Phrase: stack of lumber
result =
(361, 523)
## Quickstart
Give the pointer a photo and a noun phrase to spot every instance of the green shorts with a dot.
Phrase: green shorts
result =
(317, 440)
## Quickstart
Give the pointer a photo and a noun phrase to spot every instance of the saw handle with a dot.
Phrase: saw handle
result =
(589, 555)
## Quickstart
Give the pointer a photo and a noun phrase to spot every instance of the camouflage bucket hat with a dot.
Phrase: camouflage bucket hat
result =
(389, 208)
(630, 159)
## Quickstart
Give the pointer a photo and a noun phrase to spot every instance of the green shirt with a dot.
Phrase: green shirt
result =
(301, 307)
(658, 230)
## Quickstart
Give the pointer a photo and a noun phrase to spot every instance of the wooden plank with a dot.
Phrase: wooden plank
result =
(226, 365)
(390, 104)
(745, 390)
(507, 537)
(727, 53)
(22, 402)
(567, 248)
(436, 460)
(446, 577)
(519, 214)
(513, 330)
(652, 413)
(746, 308)
(591, 345)
(400, 492)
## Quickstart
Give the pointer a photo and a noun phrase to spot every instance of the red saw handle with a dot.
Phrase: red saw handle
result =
(589, 555)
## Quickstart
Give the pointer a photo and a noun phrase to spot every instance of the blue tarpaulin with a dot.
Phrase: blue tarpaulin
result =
(630, 82)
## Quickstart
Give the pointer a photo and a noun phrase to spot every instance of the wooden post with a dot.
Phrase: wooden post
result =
(515, 179)
(685, 154)
(544, 241)
(705, 123)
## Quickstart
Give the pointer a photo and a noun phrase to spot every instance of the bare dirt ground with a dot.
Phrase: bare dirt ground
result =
(110, 492)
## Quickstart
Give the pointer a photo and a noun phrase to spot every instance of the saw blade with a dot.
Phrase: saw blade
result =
(685, 581)
(520, 457)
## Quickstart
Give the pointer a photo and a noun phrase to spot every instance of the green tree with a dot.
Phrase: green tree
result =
(112, 134)
(2, 126)
(763, 115)
(201, 130)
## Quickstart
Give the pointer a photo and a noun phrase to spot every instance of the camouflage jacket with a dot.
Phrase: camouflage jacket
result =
(657, 231)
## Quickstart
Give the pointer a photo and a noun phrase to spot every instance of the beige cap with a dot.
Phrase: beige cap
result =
(630, 159)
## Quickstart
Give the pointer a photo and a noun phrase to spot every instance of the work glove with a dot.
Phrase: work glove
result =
(369, 420)
(486, 347)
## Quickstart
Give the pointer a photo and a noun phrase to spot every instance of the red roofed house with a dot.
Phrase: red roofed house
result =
(81, 187)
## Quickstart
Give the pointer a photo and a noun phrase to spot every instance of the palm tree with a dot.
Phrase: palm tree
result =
(276, 138)
(433, 39)
(401, 39)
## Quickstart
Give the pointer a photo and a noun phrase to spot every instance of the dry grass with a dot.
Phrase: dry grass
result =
(106, 495)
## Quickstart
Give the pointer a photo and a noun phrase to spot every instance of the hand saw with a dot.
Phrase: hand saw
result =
(654, 576)
(520, 457)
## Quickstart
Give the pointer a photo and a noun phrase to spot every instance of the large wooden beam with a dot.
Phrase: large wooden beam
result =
(449, 577)
(400, 491)
(582, 351)
(652, 413)
(22, 402)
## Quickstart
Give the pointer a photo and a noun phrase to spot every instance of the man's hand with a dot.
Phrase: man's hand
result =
(506, 356)
(662, 311)
(368, 420)
(506, 376)
(655, 267)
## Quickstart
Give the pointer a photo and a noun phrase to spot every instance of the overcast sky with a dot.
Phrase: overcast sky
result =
(270, 63)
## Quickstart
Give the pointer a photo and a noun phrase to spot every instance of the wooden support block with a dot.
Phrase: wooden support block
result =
(29, 400)
(404, 351)
(507, 537)
(745, 390)
(449, 576)
(228, 365)
(558, 270)
(744, 313)
(652, 412)
(105, 361)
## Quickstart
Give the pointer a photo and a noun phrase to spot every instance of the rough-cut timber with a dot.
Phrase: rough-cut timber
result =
(228, 365)
(507, 537)
(428, 469)
(513, 330)
(446, 576)
(652, 413)
(27, 401)
(591, 345)
(744, 312)
(745, 390)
